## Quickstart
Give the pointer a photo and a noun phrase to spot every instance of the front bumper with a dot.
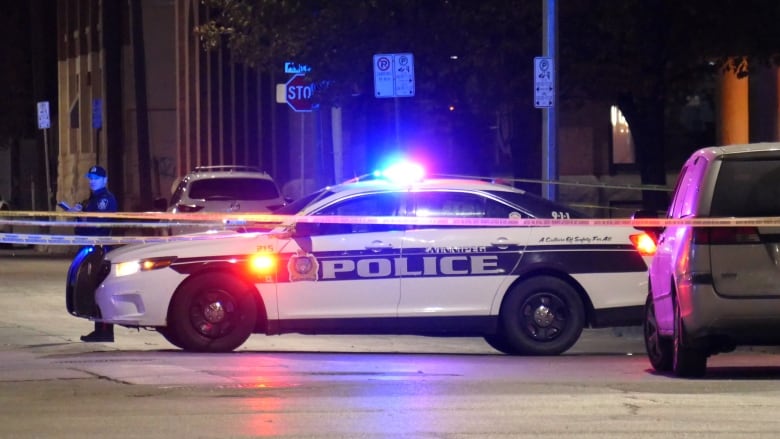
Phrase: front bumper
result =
(139, 300)
(85, 274)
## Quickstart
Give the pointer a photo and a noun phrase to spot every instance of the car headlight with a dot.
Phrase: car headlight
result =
(132, 267)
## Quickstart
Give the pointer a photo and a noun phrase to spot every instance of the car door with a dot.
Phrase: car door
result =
(342, 271)
(458, 270)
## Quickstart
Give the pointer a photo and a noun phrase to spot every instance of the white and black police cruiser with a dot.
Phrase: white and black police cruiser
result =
(526, 290)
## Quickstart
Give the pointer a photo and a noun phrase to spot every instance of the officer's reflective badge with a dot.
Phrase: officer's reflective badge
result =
(303, 266)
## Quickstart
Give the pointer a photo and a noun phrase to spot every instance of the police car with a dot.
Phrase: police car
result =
(528, 290)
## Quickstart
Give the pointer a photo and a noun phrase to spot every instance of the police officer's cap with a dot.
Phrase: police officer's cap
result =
(97, 172)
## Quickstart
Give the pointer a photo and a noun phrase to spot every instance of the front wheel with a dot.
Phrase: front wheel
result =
(543, 315)
(168, 334)
(213, 312)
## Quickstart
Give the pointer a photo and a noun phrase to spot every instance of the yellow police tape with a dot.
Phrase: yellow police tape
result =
(268, 221)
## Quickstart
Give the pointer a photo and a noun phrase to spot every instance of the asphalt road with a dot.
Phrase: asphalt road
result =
(52, 385)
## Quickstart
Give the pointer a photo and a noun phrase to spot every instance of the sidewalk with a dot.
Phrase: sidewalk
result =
(38, 251)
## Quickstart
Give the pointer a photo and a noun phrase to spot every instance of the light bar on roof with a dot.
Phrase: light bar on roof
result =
(402, 173)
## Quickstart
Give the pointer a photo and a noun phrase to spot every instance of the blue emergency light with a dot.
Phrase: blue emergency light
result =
(402, 173)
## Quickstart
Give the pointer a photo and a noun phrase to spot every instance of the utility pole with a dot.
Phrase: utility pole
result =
(549, 114)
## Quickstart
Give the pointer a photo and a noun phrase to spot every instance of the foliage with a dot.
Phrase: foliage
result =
(633, 47)
(15, 84)
(339, 37)
(649, 56)
(606, 48)
(645, 55)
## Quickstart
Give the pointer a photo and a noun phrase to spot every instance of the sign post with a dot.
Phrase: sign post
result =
(544, 82)
(44, 123)
(97, 124)
(393, 75)
(394, 78)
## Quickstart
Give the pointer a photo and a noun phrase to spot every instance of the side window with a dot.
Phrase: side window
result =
(449, 204)
(679, 195)
(463, 205)
(176, 197)
(379, 204)
(494, 209)
(693, 181)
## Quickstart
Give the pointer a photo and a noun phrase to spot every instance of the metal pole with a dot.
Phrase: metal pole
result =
(48, 171)
(398, 125)
(97, 146)
(303, 155)
(549, 115)
(338, 147)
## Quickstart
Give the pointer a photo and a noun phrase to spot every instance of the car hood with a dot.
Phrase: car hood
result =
(195, 245)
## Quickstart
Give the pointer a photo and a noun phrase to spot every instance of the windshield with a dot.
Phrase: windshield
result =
(539, 207)
(300, 204)
(747, 188)
(254, 189)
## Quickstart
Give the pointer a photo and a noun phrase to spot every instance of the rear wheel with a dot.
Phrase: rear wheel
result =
(660, 350)
(213, 312)
(687, 362)
(543, 315)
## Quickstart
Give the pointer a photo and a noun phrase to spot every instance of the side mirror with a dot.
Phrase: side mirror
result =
(647, 214)
(160, 204)
(305, 229)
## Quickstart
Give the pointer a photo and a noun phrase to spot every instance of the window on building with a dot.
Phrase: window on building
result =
(622, 142)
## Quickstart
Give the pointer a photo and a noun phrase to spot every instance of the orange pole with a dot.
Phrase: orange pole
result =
(733, 126)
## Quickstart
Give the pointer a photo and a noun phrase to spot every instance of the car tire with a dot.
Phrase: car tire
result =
(543, 315)
(687, 362)
(660, 349)
(213, 312)
(168, 334)
(500, 343)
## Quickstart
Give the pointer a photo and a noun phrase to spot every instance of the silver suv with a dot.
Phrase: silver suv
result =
(228, 189)
(713, 288)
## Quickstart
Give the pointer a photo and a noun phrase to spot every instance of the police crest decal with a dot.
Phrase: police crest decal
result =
(303, 266)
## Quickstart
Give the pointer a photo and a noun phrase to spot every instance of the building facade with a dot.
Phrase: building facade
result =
(138, 95)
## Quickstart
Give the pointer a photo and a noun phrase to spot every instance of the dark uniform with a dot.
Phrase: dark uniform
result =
(100, 200)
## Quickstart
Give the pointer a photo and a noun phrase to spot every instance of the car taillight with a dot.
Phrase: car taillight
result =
(187, 208)
(644, 243)
(725, 235)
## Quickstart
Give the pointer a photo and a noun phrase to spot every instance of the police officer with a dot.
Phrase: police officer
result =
(100, 200)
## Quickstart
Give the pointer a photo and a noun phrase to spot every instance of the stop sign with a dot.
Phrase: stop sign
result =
(299, 93)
